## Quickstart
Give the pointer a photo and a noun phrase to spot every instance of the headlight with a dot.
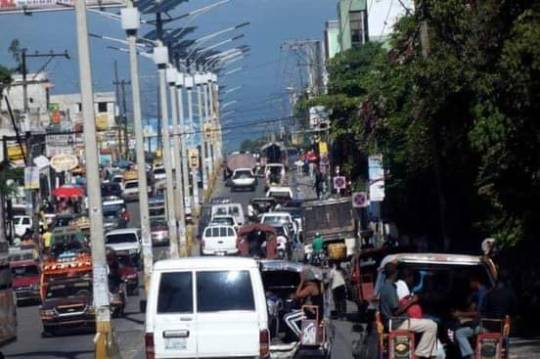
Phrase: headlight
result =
(46, 312)
(133, 251)
(90, 310)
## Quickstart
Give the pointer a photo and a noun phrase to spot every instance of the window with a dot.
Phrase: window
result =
(357, 31)
(102, 107)
(175, 293)
(26, 220)
(121, 238)
(230, 232)
(223, 291)
(79, 107)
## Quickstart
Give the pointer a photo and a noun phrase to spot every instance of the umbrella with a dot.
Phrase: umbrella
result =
(68, 192)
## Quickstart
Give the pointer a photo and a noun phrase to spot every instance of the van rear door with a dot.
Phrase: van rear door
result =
(227, 320)
(174, 328)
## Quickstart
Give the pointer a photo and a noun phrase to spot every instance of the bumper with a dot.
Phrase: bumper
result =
(27, 295)
(83, 321)
(219, 252)
(244, 185)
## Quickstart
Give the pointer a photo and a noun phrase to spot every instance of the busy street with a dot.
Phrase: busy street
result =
(294, 179)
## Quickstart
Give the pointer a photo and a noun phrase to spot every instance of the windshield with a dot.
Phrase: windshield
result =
(223, 220)
(70, 290)
(121, 238)
(132, 184)
(242, 174)
(25, 271)
(158, 171)
(111, 210)
(280, 194)
(159, 226)
(110, 189)
(275, 220)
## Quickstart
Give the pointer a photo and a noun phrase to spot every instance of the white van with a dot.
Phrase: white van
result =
(218, 240)
(232, 209)
(211, 307)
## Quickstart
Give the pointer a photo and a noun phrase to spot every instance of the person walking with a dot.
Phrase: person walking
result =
(339, 291)
(318, 183)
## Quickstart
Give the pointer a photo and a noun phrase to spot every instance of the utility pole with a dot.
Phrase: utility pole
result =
(183, 139)
(199, 80)
(172, 77)
(131, 23)
(189, 80)
(161, 58)
(208, 144)
(125, 119)
(99, 262)
(116, 84)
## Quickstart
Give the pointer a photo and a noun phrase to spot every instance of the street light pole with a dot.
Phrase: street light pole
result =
(130, 23)
(172, 77)
(199, 83)
(183, 139)
(189, 87)
(207, 120)
(161, 58)
(99, 261)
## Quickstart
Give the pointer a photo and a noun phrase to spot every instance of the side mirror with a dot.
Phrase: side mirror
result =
(142, 306)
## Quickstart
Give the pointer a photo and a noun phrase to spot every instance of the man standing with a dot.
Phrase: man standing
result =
(339, 291)
(390, 308)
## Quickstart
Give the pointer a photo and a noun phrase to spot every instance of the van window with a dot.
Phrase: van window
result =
(215, 232)
(175, 293)
(223, 232)
(223, 291)
(25, 220)
(230, 232)
(235, 211)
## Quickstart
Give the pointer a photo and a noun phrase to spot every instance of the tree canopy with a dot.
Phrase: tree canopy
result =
(457, 128)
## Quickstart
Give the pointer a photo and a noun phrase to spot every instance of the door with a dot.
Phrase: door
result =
(227, 321)
(175, 330)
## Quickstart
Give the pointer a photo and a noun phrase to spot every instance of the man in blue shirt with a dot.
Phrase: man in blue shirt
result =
(470, 318)
(390, 308)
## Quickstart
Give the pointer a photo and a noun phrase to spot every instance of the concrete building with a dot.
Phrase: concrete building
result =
(70, 107)
(38, 86)
(383, 15)
(353, 23)
(332, 45)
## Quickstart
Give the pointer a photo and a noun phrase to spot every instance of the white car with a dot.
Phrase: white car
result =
(225, 219)
(243, 178)
(281, 194)
(233, 209)
(206, 308)
(219, 240)
(127, 241)
(22, 224)
(159, 173)
(131, 190)
(279, 219)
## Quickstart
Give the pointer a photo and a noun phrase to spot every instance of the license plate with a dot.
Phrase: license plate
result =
(176, 343)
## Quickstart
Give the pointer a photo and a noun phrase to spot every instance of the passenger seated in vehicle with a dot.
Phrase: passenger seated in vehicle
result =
(392, 311)
(469, 324)
(307, 292)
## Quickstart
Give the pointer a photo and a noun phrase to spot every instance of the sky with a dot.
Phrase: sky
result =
(265, 73)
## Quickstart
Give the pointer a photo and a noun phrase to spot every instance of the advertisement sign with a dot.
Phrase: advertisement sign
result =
(64, 162)
(193, 154)
(16, 152)
(59, 144)
(102, 122)
(27, 6)
(31, 178)
(376, 178)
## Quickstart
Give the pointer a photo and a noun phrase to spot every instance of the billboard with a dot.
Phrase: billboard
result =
(26, 6)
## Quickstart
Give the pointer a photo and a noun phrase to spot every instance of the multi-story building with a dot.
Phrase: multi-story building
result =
(332, 45)
(353, 23)
(383, 15)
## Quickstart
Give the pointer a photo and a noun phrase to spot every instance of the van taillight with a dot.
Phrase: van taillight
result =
(149, 345)
(264, 343)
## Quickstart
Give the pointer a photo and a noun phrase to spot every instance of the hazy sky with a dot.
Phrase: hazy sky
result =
(267, 71)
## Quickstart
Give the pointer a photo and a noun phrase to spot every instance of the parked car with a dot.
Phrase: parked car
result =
(219, 240)
(125, 241)
(156, 208)
(280, 218)
(159, 232)
(243, 178)
(206, 308)
(159, 173)
(114, 217)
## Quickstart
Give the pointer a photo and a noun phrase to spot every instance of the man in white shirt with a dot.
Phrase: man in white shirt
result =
(338, 290)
